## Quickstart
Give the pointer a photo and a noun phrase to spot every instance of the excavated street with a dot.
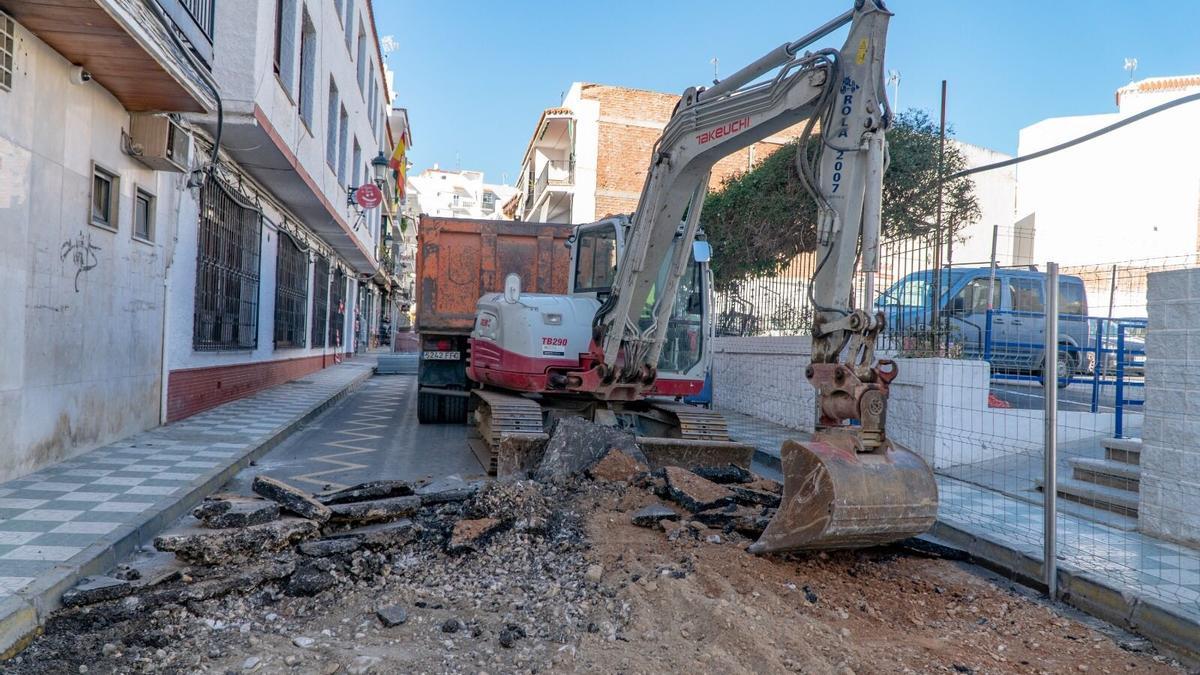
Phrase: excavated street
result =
(478, 576)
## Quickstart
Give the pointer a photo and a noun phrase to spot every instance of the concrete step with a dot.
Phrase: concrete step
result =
(1107, 472)
(1127, 450)
(1123, 502)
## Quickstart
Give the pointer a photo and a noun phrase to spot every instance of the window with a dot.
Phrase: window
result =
(106, 191)
(8, 51)
(285, 44)
(1071, 298)
(291, 293)
(331, 127)
(337, 309)
(596, 266)
(684, 344)
(362, 60)
(343, 132)
(357, 164)
(1026, 294)
(308, 69)
(349, 21)
(973, 298)
(320, 303)
(143, 215)
(227, 274)
(371, 102)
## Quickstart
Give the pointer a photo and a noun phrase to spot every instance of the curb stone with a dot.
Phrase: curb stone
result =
(1171, 632)
(23, 613)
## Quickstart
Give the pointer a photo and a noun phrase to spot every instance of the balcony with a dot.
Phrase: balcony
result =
(555, 173)
(127, 48)
(195, 20)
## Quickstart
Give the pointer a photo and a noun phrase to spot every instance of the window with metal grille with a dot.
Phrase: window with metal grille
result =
(8, 50)
(291, 293)
(337, 309)
(227, 273)
(320, 284)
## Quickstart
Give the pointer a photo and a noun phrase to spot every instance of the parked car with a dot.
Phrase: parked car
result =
(1014, 337)
(1134, 346)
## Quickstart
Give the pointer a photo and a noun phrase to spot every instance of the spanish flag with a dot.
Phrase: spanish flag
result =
(399, 164)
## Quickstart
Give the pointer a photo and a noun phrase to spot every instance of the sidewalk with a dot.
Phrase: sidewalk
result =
(79, 517)
(1103, 570)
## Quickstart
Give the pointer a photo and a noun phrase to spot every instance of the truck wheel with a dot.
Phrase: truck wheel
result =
(454, 409)
(427, 408)
(1064, 368)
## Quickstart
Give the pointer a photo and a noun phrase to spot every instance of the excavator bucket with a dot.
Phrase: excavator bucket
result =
(835, 497)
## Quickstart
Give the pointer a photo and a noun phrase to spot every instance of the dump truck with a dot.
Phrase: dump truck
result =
(458, 261)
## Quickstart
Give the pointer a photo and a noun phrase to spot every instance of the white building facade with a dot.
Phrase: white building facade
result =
(458, 194)
(84, 225)
(1131, 194)
(145, 282)
(289, 278)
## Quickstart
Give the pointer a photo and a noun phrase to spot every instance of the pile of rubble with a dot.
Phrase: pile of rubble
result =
(500, 565)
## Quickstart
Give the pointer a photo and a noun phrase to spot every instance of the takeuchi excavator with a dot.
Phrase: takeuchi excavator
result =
(618, 348)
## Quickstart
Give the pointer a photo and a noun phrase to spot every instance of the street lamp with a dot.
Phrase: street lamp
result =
(379, 167)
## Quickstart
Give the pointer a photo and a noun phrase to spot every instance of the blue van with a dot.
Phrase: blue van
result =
(1013, 339)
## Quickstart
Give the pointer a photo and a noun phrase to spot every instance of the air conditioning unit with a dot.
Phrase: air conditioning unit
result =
(159, 142)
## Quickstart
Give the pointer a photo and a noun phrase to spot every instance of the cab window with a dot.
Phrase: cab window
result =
(973, 298)
(596, 262)
(1026, 294)
(1071, 298)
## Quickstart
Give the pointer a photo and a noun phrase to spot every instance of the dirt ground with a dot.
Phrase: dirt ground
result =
(571, 586)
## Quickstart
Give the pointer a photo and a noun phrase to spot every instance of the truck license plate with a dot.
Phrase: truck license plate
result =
(441, 356)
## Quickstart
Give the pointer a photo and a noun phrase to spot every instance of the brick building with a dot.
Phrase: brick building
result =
(588, 157)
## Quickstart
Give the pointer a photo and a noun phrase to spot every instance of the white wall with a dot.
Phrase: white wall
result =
(181, 354)
(764, 378)
(938, 408)
(1131, 194)
(78, 368)
(996, 193)
(587, 148)
(1170, 481)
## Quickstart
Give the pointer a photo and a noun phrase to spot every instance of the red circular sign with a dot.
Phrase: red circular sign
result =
(368, 196)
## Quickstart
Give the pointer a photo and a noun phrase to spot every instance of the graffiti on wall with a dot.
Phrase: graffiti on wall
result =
(82, 253)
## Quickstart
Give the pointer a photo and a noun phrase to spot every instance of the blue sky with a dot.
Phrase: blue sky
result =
(474, 75)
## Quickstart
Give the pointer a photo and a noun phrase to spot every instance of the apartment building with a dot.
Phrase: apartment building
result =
(588, 157)
(459, 194)
(290, 277)
(83, 224)
(174, 179)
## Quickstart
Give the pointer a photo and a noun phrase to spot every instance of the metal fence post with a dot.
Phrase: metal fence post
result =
(1050, 386)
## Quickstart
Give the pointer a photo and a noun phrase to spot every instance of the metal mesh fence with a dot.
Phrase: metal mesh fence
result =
(971, 398)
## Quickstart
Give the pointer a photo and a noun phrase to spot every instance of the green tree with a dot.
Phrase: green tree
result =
(759, 220)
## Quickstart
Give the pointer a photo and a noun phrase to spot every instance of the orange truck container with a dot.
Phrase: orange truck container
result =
(458, 261)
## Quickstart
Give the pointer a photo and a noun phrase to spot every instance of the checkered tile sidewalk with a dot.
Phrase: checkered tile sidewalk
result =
(1145, 566)
(49, 518)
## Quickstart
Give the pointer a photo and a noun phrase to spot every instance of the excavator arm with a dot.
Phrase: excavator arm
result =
(844, 91)
(847, 486)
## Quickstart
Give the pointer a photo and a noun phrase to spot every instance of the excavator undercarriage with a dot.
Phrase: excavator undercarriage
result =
(513, 430)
